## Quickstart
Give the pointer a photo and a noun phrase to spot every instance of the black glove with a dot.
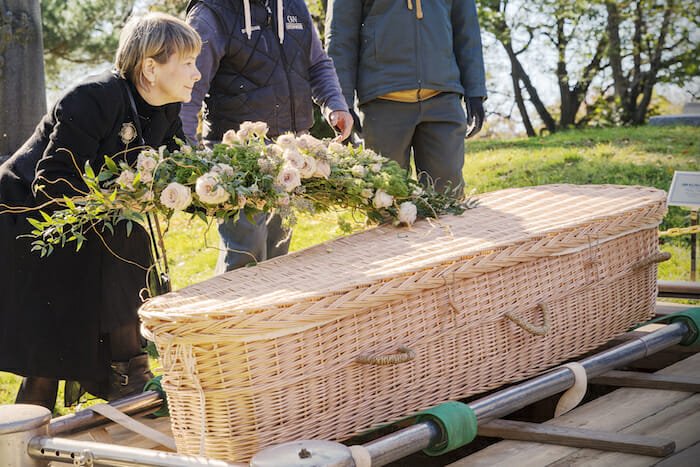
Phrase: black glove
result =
(475, 115)
(357, 126)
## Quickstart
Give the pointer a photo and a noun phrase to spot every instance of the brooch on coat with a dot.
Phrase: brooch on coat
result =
(127, 133)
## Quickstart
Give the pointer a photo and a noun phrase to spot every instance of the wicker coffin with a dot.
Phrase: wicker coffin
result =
(332, 340)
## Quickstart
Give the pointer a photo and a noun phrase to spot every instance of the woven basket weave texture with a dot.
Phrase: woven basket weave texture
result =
(332, 340)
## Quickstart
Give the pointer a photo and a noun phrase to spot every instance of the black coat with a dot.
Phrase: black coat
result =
(56, 313)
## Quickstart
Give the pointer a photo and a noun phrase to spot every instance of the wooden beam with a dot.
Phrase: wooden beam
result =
(578, 437)
(635, 379)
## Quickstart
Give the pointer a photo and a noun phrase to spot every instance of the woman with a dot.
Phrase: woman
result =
(73, 315)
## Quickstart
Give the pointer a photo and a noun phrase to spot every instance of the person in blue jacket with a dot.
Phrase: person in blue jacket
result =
(413, 66)
(262, 60)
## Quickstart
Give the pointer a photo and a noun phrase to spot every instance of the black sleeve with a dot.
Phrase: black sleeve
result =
(83, 120)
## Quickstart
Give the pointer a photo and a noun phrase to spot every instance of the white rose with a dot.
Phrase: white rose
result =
(223, 169)
(150, 152)
(246, 126)
(288, 178)
(244, 135)
(358, 171)
(407, 213)
(126, 180)
(367, 193)
(307, 142)
(417, 191)
(376, 167)
(146, 176)
(323, 169)
(309, 168)
(382, 199)
(176, 196)
(373, 155)
(260, 129)
(146, 163)
(230, 138)
(335, 147)
(209, 189)
(287, 140)
(293, 158)
(274, 150)
(147, 197)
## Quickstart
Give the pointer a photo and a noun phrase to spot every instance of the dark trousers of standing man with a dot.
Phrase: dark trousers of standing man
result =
(434, 129)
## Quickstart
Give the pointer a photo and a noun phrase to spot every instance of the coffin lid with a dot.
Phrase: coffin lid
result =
(383, 264)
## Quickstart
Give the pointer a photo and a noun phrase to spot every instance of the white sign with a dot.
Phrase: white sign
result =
(685, 190)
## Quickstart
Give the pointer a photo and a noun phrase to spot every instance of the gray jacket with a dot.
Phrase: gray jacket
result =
(381, 46)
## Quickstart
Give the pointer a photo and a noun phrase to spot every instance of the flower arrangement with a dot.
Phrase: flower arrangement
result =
(245, 174)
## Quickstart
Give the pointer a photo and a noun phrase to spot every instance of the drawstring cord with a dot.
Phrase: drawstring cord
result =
(419, 8)
(249, 22)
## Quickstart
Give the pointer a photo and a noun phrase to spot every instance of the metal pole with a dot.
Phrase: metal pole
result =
(410, 440)
(400, 444)
(84, 419)
(89, 453)
(516, 397)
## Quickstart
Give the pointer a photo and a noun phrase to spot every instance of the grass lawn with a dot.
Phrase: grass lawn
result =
(627, 156)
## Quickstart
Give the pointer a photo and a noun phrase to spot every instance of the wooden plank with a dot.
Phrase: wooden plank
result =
(635, 379)
(681, 422)
(626, 409)
(577, 437)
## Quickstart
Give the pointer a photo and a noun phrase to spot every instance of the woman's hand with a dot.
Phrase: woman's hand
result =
(341, 121)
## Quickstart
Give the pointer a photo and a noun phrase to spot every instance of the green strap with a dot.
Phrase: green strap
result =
(457, 422)
(691, 318)
(156, 385)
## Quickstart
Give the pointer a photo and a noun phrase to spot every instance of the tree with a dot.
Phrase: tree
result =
(81, 33)
(651, 41)
(22, 101)
(607, 55)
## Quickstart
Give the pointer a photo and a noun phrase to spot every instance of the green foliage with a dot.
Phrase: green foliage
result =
(85, 32)
(242, 176)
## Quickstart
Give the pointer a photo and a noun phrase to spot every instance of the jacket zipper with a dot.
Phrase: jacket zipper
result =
(419, 68)
(286, 72)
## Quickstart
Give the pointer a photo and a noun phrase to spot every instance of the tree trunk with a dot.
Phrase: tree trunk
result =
(22, 88)
(521, 105)
(517, 68)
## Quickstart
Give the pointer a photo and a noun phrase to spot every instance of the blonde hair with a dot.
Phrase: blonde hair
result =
(157, 36)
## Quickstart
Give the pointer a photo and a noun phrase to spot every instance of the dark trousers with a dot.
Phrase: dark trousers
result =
(244, 242)
(433, 129)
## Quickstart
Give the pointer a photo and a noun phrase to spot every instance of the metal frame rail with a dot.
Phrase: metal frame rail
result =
(40, 448)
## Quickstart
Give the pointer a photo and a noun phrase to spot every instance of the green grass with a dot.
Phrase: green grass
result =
(628, 156)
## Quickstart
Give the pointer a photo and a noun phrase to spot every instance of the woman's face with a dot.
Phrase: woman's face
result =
(174, 79)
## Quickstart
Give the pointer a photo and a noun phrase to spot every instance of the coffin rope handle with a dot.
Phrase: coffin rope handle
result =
(658, 257)
(404, 355)
(529, 327)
